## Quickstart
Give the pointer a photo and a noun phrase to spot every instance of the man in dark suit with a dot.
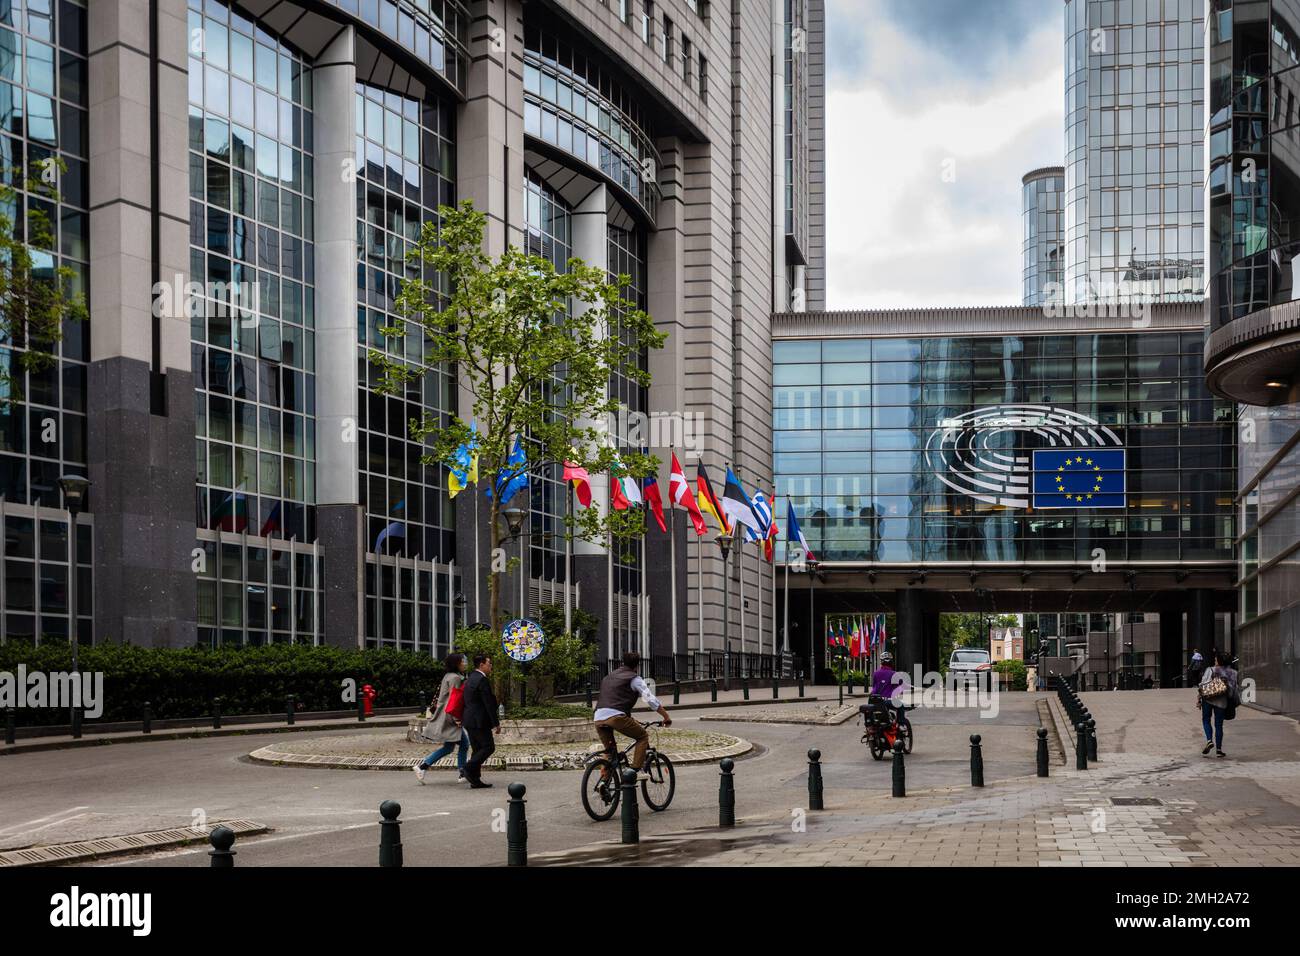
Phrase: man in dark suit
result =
(480, 719)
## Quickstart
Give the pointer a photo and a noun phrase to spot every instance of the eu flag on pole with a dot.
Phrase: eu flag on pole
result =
(1079, 477)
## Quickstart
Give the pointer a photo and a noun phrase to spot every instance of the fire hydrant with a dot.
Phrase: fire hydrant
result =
(367, 699)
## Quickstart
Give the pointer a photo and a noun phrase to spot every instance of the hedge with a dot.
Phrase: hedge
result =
(181, 682)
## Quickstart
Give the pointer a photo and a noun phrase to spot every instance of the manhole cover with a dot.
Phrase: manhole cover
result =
(1134, 801)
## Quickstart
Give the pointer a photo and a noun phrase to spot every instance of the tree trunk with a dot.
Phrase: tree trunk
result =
(494, 577)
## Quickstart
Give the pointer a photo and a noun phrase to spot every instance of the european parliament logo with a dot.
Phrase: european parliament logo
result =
(1079, 477)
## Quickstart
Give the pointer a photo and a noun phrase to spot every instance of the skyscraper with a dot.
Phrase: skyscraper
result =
(1042, 191)
(244, 178)
(1134, 118)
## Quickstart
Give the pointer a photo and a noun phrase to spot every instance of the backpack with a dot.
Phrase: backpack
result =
(456, 702)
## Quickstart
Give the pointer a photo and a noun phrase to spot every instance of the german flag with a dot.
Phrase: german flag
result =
(706, 499)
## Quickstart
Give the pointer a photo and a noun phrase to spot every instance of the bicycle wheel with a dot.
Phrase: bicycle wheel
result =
(600, 797)
(658, 790)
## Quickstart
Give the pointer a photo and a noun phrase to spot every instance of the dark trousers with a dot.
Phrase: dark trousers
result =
(1209, 711)
(484, 743)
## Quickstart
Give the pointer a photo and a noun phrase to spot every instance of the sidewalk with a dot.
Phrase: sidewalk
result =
(1150, 801)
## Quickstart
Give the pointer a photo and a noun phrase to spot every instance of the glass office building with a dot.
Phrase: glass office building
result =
(1042, 193)
(1134, 118)
(859, 424)
(1253, 192)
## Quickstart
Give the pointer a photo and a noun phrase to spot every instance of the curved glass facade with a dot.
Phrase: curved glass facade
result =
(434, 31)
(1042, 192)
(575, 103)
(1134, 161)
(852, 419)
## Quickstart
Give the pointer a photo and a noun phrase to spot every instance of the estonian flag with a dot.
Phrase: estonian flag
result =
(737, 506)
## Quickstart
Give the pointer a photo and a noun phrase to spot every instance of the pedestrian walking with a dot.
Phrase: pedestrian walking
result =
(1219, 700)
(480, 719)
(444, 724)
(1197, 667)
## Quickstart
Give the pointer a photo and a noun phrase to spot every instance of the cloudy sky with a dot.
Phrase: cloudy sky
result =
(917, 87)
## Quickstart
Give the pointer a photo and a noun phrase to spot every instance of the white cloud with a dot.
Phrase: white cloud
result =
(898, 235)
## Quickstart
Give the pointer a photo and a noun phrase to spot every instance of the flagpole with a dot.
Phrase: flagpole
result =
(740, 567)
(568, 558)
(773, 583)
(758, 581)
(699, 586)
(643, 625)
(672, 565)
(609, 592)
(785, 630)
(478, 607)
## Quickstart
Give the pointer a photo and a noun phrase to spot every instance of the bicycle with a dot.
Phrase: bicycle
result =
(601, 797)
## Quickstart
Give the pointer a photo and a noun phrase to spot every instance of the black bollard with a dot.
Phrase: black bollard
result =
(776, 688)
(801, 684)
(11, 729)
(216, 713)
(727, 794)
(589, 694)
(815, 780)
(631, 817)
(76, 723)
(1042, 752)
(713, 690)
(976, 762)
(288, 710)
(390, 834)
(1080, 746)
(516, 827)
(1092, 739)
(222, 839)
(146, 719)
(900, 771)
(677, 693)
(361, 707)
(744, 687)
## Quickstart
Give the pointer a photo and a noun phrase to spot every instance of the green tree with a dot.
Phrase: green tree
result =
(35, 296)
(535, 348)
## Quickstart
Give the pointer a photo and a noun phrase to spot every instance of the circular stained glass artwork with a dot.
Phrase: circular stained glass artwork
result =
(523, 640)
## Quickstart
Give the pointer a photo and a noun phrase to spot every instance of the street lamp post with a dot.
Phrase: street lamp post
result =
(724, 545)
(74, 489)
(514, 517)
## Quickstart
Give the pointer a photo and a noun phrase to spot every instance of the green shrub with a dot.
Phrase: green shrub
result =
(181, 682)
(548, 712)
(1015, 671)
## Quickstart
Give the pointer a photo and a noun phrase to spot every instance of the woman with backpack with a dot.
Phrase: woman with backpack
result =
(1219, 699)
(444, 723)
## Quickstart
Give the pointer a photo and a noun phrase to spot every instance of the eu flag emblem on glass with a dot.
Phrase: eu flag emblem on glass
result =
(1079, 477)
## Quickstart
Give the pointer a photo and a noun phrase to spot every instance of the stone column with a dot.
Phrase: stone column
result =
(141, 406)
(341, 526)
(910, 647)
(1171, 643)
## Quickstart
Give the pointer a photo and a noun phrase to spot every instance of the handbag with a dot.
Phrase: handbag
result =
(1213, 688)
(456, 702)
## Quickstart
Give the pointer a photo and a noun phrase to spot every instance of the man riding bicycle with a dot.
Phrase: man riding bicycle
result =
(618, 695)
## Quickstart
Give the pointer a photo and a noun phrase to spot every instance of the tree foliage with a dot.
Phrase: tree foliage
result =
(534, 348)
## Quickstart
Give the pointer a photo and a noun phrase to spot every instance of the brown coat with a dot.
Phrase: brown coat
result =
(442, 726)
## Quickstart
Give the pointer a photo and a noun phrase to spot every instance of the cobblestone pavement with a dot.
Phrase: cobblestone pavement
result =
(813, 712)
(1151, 801)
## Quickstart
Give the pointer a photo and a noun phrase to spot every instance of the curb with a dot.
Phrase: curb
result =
(120, 845)
(279, 758)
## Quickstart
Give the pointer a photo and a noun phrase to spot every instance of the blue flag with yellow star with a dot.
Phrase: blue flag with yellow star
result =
(1079, 477)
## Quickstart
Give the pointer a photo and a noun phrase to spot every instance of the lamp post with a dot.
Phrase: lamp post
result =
(811, 564)
(724, 540)
(514, 517)
(74, 489)
(460, 604)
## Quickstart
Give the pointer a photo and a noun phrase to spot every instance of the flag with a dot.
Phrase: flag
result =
(855, 641)
(624, 490)
(581, 482)
(272, 522)
(764, 533)
(737, 506)
(232, 513)
(395, 530)
(769, 544)
(794, 533)
(655, 502)
(464, 471)
(514, 477)
(707, 499)
(882, 632)
(1079, 478)
(679, 493)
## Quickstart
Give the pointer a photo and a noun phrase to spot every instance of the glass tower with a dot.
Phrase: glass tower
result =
(1134, 117)
(1042, 192)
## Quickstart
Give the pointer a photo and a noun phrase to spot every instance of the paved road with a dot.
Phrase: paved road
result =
(328, 817)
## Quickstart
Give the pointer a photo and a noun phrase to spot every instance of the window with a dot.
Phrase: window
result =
(647, 21)
(667, 49)
(687, 60)
(704, 78)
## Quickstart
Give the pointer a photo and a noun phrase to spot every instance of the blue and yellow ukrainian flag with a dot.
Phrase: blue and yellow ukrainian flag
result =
(465, 470)
(1079, 477)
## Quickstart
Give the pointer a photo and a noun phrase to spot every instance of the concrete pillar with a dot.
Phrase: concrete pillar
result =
(930, 642)
(1201, 631)
(140, 451)
(1172, 662)
(341, 529)
(910, 647)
